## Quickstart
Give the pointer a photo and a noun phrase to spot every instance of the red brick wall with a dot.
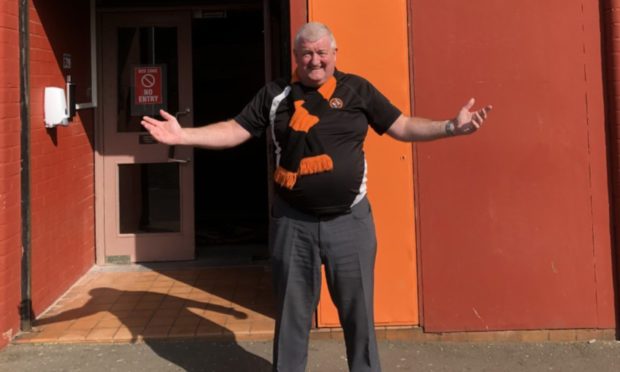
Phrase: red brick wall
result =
(10, 232)
(61, 158)
(514, 224)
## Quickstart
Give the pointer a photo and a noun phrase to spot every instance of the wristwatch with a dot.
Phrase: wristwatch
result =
(449, 128)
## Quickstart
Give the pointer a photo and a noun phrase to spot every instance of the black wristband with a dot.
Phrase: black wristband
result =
(449, 128)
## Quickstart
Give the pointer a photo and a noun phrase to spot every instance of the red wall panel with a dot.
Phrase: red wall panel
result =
(10, 230)
(513, 221)
(62, 164)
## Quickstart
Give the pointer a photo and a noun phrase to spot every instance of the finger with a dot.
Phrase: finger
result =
(166, 115)
(149, 120)
(469, 104)
(477, 120)
(147, 125)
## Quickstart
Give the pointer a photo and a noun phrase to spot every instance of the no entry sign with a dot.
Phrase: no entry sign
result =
(148, 83)
(148, 90)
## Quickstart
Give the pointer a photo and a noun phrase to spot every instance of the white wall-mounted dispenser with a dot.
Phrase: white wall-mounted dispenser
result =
(55, 105)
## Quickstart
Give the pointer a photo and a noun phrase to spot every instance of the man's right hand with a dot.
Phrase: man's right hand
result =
(168, 131)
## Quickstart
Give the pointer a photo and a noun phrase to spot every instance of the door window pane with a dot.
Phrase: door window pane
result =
(149, 196)
(146, 46)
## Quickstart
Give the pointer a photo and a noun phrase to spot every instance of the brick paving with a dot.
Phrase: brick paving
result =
(132, 305)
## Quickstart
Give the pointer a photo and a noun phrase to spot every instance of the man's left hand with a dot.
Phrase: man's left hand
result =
(467, 122)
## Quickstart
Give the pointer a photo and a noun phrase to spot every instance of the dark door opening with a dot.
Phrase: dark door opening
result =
(231, 193)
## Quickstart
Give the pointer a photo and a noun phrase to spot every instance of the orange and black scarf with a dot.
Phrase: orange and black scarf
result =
(304, 154)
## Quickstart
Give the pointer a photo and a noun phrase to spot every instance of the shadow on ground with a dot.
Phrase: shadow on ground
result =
(159, 318)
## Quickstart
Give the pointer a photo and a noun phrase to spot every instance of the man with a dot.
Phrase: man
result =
(320, 215)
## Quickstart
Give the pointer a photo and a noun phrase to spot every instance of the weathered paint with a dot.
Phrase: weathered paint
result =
(514, 221)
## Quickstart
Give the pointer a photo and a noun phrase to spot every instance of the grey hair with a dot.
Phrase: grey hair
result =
(313, 31)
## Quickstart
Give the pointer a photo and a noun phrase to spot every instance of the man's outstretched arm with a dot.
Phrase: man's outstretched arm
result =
(409, 129)
(222, 135)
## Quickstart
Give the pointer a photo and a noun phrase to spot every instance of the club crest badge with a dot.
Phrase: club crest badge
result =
(336, 103)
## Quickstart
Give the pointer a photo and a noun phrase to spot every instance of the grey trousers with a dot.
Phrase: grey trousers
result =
(347, 246)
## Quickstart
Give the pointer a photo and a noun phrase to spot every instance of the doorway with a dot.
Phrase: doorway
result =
(164, 203)
(230, 185)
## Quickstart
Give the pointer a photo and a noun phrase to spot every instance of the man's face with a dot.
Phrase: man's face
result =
(316, 61)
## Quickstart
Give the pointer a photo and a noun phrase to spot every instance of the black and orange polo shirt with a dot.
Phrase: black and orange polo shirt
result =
(355, 105)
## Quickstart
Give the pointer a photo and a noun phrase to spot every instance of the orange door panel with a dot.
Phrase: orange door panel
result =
(372, 42)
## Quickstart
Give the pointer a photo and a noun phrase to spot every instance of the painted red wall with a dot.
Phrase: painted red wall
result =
(10, 231)
(61, 158)
(513, 221)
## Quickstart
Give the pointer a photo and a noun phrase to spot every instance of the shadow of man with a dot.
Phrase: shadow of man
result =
(157, 318)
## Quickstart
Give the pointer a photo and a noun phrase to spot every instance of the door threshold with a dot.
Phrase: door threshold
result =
(176, 265)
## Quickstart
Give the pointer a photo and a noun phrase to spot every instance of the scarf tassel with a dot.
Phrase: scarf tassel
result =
(310, 165)
(315, 164)
(285, 178)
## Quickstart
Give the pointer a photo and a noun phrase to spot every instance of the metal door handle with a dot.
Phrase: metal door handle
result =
(181, 113)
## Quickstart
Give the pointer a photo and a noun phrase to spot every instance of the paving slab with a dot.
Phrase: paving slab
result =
(325, 356)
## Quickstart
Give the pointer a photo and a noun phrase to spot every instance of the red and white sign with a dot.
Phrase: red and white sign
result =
(148, 83)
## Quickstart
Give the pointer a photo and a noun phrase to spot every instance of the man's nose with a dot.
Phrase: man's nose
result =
(316, 59)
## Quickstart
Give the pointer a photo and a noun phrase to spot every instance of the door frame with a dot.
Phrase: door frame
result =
(286, 21)
(102, 184)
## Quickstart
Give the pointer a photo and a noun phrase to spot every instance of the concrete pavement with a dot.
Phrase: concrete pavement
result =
(325, 356)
